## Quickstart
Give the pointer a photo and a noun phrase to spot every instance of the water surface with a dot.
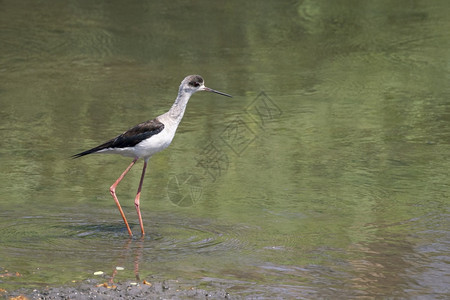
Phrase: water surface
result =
(325, 176)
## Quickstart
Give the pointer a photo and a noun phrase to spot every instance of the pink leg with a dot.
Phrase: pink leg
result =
(138, 195)
(112, 190)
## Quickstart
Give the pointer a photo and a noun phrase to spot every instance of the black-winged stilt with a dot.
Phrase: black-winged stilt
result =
(150, 137)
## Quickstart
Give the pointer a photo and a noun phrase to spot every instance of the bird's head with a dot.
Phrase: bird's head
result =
(195, 83)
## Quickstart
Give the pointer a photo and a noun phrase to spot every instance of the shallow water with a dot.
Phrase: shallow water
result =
(325, 176)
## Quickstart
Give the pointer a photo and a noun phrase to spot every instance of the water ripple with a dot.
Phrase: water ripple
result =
(58, 233)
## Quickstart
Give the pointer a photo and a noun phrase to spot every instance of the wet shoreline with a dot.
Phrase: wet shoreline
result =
(95, 289)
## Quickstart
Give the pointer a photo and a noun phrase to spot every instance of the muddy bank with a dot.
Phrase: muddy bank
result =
(94, 289)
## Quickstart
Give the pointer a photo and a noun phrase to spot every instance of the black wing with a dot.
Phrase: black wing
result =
(129, 138)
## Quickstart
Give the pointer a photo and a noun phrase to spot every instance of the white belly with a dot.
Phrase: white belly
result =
(147, 147)
(154, 144)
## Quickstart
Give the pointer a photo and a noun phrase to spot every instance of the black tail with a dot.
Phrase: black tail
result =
(90, 151)
(95, 149)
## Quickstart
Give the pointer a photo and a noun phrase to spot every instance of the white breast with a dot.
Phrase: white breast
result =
(155, 143)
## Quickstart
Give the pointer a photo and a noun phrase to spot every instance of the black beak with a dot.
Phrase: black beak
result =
(217, 92)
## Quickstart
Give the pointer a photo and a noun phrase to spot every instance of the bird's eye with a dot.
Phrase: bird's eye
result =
(194, 83)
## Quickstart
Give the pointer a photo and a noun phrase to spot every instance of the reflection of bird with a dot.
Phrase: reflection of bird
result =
(150, 137)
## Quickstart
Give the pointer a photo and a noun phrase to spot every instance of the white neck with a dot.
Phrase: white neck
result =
(176, 112)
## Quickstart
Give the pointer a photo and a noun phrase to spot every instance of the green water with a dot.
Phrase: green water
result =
(326, 175)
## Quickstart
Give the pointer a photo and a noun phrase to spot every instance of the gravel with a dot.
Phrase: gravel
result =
(93, 289)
